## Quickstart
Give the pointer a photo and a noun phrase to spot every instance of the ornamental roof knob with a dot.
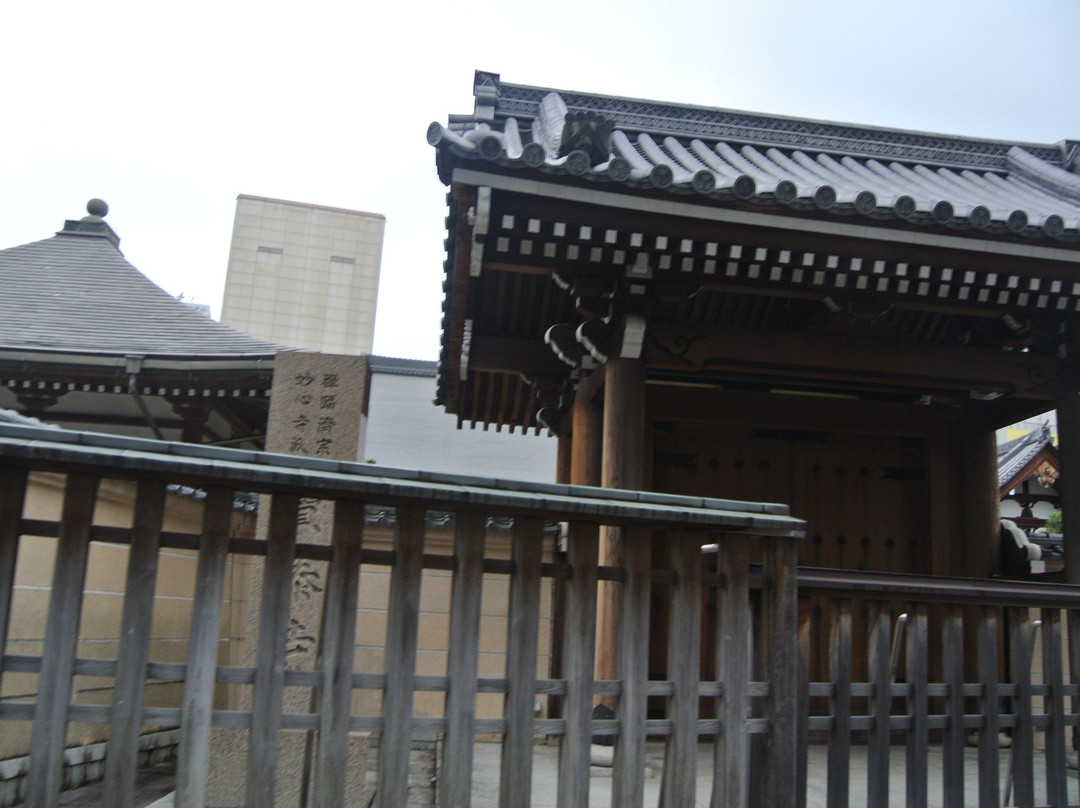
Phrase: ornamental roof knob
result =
(97, 207)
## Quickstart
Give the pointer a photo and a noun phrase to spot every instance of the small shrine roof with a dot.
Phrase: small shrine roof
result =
(1027, 189)
(75, 293)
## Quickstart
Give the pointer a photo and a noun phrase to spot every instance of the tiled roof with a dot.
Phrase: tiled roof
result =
(1013, 455)
(402, 367)
(76, 293)
(727, 155)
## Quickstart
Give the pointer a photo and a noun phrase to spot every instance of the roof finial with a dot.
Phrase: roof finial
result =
(97, 208)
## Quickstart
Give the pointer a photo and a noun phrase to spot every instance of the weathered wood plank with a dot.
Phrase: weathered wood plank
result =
(802, 741)
(198, 701)
(877, 744)
(579, 644)
(523, 632)
(633, 670)
(274, 607)
(952, 640)
(401, 639)
(839, 762)
(987, 663)
(44, 776)
(917, 745)
(780, 612)
(455, 783)
(684, 671)
(338, 642)
(121, 762)
(1054, 706)
(1021, 648)
(12, 499)
(731, 785)
(1073, 628)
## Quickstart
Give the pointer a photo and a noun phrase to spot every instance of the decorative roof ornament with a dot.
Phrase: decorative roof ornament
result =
(93, 223)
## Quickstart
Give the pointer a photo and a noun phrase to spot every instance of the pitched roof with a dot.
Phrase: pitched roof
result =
(1015, 455)
(728, 155)
(76, 293)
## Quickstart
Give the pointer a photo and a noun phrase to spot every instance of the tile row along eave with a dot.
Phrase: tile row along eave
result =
(1032, 198)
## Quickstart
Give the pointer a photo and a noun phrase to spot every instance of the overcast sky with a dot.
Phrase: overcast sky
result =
(168, 111)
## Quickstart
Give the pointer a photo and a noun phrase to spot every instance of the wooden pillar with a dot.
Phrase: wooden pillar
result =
(982, 514)
(583, 468)
(587, 437)
(622, 466)
(1068, 424)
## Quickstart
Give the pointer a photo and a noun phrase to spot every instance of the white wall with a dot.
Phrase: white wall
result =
(406, 430)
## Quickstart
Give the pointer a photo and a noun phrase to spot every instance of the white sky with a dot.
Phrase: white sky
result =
(168, 111)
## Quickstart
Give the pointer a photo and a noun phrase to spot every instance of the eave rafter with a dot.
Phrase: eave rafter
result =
(915, 315)
(526, 238)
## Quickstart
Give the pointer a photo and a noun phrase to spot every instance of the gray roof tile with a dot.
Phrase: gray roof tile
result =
(76, 293)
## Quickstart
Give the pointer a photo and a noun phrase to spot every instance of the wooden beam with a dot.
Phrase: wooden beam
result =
(672, 402)
(790, 356)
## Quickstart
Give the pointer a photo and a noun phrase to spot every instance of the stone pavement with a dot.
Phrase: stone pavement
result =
(154, 786)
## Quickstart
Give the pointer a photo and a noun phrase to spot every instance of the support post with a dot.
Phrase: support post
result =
(622, 466)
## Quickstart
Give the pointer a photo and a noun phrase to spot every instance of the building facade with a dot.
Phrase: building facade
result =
(304, 275)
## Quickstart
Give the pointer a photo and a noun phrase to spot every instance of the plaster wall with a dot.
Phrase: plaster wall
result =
(405, 429)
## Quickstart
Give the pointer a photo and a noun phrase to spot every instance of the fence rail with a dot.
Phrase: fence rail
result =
(943, 664)
(341, 697)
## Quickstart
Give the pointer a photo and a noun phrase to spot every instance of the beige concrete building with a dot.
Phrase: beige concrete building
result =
(304, 275)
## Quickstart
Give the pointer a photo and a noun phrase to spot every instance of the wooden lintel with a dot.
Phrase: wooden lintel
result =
(811, 414)
(514, 356)
(779, 357)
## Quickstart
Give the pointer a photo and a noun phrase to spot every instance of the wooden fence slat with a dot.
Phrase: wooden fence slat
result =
(401, 639)
(1055, 708)
(684, 672)
(44, 775)
(633, 666)
(952, 640)
(197, 707)
(579, 649)
(523, 633)
(1073, 628)
(877, 744)
(839, 762)
(917, 751)
(455, 782)
(802, 740)
(731, 785)
(136, 625)
(989, 705)
(338, 641)
(12, 498)
(780, 612)
(274, 606)
(1021, 645)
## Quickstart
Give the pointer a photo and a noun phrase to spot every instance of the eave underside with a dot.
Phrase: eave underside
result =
(731, 307)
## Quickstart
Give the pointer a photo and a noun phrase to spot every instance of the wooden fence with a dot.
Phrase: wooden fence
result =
(966, 682)
(756, 691)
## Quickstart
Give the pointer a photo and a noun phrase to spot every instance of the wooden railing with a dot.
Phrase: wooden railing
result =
(965, 681)
(756, 716)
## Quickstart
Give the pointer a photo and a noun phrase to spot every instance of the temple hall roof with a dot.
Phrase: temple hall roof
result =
(1028, 189)
(75, 293)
